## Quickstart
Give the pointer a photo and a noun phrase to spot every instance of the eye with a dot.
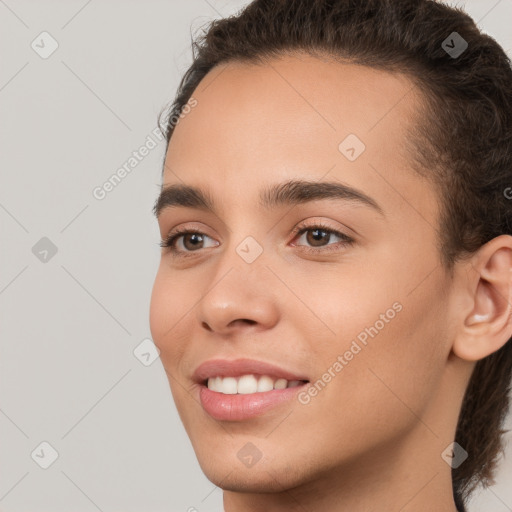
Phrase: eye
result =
(185, 240)
(319, 236)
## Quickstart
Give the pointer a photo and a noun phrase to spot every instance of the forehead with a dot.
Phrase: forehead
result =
(289, 118)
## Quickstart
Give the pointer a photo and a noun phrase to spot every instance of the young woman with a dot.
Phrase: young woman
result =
(333, 303)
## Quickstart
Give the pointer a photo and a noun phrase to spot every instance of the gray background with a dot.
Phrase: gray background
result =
(69, 325)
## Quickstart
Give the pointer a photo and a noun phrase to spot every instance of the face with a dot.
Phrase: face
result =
(339, 285)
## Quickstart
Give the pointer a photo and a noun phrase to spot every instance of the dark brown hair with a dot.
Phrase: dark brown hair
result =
(462, 142)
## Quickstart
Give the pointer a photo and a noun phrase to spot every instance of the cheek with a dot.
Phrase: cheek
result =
(170, 304)
(401, 363)
(393, 346)
(168, 309)
(381, 391)
(158, 309)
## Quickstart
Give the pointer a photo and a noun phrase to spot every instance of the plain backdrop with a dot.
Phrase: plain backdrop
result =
(76, 272)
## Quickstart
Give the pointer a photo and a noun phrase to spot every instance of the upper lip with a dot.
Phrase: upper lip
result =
(239, 367)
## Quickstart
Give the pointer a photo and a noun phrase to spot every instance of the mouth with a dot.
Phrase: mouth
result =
(242, 389)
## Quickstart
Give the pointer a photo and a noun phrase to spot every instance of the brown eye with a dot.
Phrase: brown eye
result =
(192, 241)
(186, 241)
(317, 237)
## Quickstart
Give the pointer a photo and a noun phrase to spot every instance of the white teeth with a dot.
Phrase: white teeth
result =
(265, 384)
(229, 386)
(247, 384)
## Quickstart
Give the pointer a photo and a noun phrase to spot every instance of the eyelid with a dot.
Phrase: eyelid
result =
(313, 222)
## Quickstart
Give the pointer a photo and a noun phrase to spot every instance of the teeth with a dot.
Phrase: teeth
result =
(280, 384)
(265, 384)
(229, 386)
(248, 384)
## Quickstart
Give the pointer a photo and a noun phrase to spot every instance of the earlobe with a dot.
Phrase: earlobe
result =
(488, 325)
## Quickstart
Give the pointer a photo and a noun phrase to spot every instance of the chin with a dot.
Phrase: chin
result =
(266, 475)
(261, 480)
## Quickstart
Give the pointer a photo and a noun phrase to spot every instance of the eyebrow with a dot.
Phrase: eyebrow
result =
(288, 193)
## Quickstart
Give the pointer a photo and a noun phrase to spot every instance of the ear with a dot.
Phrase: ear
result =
(487, 320)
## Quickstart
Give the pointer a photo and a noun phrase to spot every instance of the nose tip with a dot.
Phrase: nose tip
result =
(236, 303)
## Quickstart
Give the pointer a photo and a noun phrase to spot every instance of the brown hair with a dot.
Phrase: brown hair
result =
(463, 142)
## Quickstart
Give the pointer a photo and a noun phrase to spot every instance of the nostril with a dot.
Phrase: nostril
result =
(206, 326)
(242, 320)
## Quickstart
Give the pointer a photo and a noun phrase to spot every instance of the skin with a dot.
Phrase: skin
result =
(372, 438)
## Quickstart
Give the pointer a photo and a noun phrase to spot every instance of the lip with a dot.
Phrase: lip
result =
(243, 407)
(240, 407)
(239, 367)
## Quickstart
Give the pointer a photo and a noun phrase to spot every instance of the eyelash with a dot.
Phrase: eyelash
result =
(170, 241)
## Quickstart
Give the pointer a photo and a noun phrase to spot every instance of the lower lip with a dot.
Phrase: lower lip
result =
(241, 407)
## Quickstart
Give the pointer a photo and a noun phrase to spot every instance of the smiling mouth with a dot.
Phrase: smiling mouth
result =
(249, 384)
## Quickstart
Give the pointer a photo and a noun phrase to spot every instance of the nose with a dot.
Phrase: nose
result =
(240, 298)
